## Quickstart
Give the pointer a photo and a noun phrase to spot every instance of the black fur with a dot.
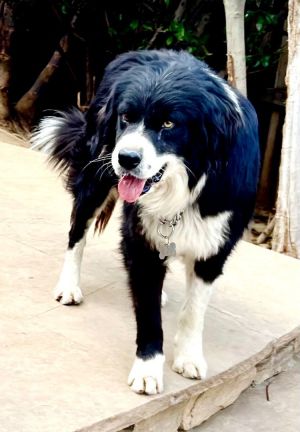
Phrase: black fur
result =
(211, 136)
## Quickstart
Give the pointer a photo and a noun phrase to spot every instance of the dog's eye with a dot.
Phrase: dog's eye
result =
(125, 118)
(167, 124)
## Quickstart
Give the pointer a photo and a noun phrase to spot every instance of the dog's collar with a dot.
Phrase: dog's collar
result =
(171, 222)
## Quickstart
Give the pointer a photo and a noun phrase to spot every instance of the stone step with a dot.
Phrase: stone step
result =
(65, 368)
(272, 405)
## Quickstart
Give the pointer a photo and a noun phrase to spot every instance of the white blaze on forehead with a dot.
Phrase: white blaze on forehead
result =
(134, 141)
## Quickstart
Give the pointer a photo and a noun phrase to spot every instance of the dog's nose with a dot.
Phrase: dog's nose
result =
(129, 159)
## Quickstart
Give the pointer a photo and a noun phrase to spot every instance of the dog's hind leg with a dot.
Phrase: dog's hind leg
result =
(67, 290)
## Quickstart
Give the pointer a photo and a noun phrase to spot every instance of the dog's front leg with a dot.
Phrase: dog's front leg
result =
(189, 359)
(188, 351)
(146, 275)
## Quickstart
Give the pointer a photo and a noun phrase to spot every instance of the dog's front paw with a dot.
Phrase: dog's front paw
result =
(190, 366)
(146, 376)
(68, 294)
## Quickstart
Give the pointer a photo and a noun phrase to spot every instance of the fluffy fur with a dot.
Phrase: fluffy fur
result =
(182, 145)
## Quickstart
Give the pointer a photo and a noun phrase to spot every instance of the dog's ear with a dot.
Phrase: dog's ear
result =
(215, 130)
(221, 125)
(107, 118)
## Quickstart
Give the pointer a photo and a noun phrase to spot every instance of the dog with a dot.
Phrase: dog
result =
(179, 146)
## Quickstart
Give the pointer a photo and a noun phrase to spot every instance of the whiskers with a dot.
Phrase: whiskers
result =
(103, 158)
(189, 170)
(104, 168)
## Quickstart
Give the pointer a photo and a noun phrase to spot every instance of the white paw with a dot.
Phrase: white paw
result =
(164, 298)
(146, 376)
(190, 366)
(68, 294)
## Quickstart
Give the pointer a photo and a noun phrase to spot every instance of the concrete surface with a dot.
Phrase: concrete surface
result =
(65, 368)
(13, 138)
(272, 406)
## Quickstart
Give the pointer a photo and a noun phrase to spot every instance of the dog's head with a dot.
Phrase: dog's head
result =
(168, 120)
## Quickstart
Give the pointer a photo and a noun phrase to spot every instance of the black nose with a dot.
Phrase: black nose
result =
(129, 159)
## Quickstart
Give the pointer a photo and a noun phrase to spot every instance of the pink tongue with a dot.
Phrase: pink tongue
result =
(130, 188)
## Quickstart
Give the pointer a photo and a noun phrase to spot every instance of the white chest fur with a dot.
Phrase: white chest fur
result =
(195, 237)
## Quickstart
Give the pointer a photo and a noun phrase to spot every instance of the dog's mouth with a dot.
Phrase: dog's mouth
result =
(130, 188)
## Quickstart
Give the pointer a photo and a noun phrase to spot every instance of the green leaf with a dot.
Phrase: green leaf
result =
(169, 40)
(180, 32)
(134, 24)
(111, 31)
(147, 27)
(64, 9)
(260, 23)
(265, 61)
(271, 19)
(167, 2)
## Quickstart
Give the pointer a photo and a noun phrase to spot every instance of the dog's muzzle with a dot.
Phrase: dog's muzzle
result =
(131, 188)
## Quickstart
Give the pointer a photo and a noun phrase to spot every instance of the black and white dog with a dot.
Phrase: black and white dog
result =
(180, 147)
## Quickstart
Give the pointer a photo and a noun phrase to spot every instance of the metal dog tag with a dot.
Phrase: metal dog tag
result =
(167, 250)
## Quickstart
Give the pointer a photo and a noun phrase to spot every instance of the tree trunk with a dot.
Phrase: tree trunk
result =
(26, 106)
(180, 10)
(6, 30)
(236, 62)
(286, 236)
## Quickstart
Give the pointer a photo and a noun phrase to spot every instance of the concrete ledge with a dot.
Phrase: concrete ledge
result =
(65, 368)
(190, 408)
(275, 358)
(272, 405)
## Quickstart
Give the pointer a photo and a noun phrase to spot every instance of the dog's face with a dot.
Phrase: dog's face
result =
(155, 133)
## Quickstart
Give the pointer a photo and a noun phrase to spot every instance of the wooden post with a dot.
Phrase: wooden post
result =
(286, 236)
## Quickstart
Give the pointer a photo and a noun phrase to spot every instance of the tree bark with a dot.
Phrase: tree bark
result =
(286, 236)
(26, 106)
(235, 35)
(6, 31)
(180, 10)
